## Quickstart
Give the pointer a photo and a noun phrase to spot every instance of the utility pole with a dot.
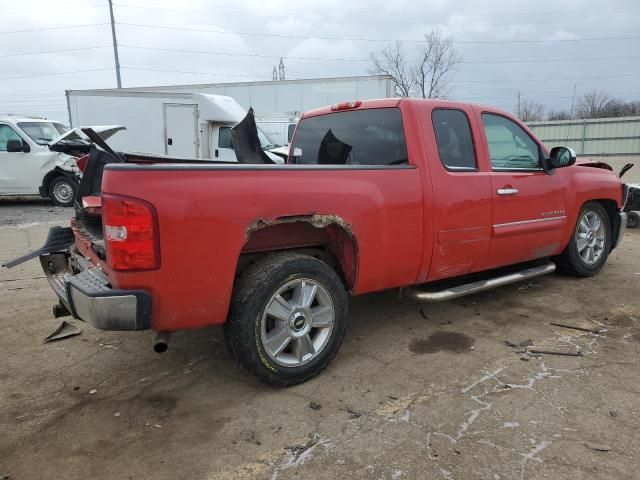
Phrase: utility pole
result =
(115, 44)
(518, 104)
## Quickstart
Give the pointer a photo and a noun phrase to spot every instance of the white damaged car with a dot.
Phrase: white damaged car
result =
(38, 157)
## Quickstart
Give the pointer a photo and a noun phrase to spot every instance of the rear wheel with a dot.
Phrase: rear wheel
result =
(62, 191)
(590, 244)
(633, 219)
(287, 318)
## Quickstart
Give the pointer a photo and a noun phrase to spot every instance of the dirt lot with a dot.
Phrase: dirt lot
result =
(410, 395)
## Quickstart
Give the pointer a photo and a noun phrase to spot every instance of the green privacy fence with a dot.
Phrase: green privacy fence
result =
(595, 137)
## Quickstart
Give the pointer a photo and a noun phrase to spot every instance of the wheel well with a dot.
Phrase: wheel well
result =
(325, 237)
(611, 207)
(49, 178)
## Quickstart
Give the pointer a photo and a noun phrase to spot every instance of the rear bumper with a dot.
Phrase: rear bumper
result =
(89, 296)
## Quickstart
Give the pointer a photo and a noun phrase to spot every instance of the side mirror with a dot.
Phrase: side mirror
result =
(562, 157)
(14, 145)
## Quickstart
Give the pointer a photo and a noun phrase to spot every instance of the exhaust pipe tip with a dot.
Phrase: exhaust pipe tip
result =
(161, 343)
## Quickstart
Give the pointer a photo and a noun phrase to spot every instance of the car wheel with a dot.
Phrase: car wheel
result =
(633, 220)
(62, 191)
(287, 318)
(590, 244)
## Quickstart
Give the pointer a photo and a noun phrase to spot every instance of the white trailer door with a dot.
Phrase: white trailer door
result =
(181, 130)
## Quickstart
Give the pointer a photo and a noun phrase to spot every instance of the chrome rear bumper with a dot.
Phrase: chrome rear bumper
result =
(88, 295)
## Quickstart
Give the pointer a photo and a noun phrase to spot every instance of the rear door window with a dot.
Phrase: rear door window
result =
(453, 136)
(358, 137)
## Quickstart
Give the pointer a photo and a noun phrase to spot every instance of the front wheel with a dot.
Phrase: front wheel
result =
(62, 191)
(287, 318)
(633, 220)
(590, 244)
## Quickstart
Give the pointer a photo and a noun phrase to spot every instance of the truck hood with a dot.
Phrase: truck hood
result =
(76, 143)
(75, 135)
(587, 162)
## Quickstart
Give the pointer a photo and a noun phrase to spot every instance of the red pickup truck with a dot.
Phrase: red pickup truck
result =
(438, 198)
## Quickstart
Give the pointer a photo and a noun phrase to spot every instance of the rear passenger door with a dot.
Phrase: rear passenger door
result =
(528, 204)
(462, 194)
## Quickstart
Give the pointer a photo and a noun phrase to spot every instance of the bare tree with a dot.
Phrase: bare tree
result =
(429, 78)
(592, 104)
(558, 115)
(530, 111)
(391, 61)
(438, 58)
(621, 108)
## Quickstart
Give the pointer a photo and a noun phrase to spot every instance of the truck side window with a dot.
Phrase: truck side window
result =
(355, 137)
(453, 136)
(224, 137)
(7, 133)
(510, 147)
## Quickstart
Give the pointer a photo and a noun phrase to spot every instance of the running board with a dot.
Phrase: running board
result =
(461, 290)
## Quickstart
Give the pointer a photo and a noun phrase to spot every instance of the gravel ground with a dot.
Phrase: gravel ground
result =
(416, 392)
(31, 212)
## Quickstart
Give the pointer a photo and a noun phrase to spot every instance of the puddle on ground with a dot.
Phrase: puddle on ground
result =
(441, 341)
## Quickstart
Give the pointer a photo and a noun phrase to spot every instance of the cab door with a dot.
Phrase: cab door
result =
(222, 145)
(529, 206)
(461, 186)
(18, 170)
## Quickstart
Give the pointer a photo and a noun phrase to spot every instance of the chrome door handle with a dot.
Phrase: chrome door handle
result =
(507, 191)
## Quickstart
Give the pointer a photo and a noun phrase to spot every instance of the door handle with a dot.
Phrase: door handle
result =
(169, 141)
(507, 191)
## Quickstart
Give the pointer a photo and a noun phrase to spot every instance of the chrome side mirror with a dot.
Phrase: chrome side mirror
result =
(562, 157)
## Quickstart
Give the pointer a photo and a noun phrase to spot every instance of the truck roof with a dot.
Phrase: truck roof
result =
(21, 118)
(395, 102)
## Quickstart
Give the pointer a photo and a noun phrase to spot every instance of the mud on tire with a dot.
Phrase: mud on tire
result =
(287, 318)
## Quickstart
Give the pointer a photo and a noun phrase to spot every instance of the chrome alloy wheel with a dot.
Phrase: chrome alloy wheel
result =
(63, 192)
(590, 237)
(297, 322)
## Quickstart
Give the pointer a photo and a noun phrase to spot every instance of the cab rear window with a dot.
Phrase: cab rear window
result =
(358, 137)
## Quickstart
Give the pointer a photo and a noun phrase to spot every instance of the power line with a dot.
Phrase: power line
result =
(330, 59)
(194, 73)
(362, 39)
(548, 79)
(56, 73)
(310, 13)
(66, 6)
(53, 51)
(61, 27)
(386, 13)
(233, 54)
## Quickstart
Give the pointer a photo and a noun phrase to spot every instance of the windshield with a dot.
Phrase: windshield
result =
(43, 132)
(265, 142)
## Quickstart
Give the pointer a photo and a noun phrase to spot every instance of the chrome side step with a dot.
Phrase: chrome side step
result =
(461, 290)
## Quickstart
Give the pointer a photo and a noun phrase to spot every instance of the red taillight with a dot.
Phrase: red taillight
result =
(130, 233)
(82, 162)
(346, 105)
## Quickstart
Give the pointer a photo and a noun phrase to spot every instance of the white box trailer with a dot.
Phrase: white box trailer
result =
(175, 124)
(276, 104)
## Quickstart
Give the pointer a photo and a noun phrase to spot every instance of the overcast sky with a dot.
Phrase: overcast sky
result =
(594, 43)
